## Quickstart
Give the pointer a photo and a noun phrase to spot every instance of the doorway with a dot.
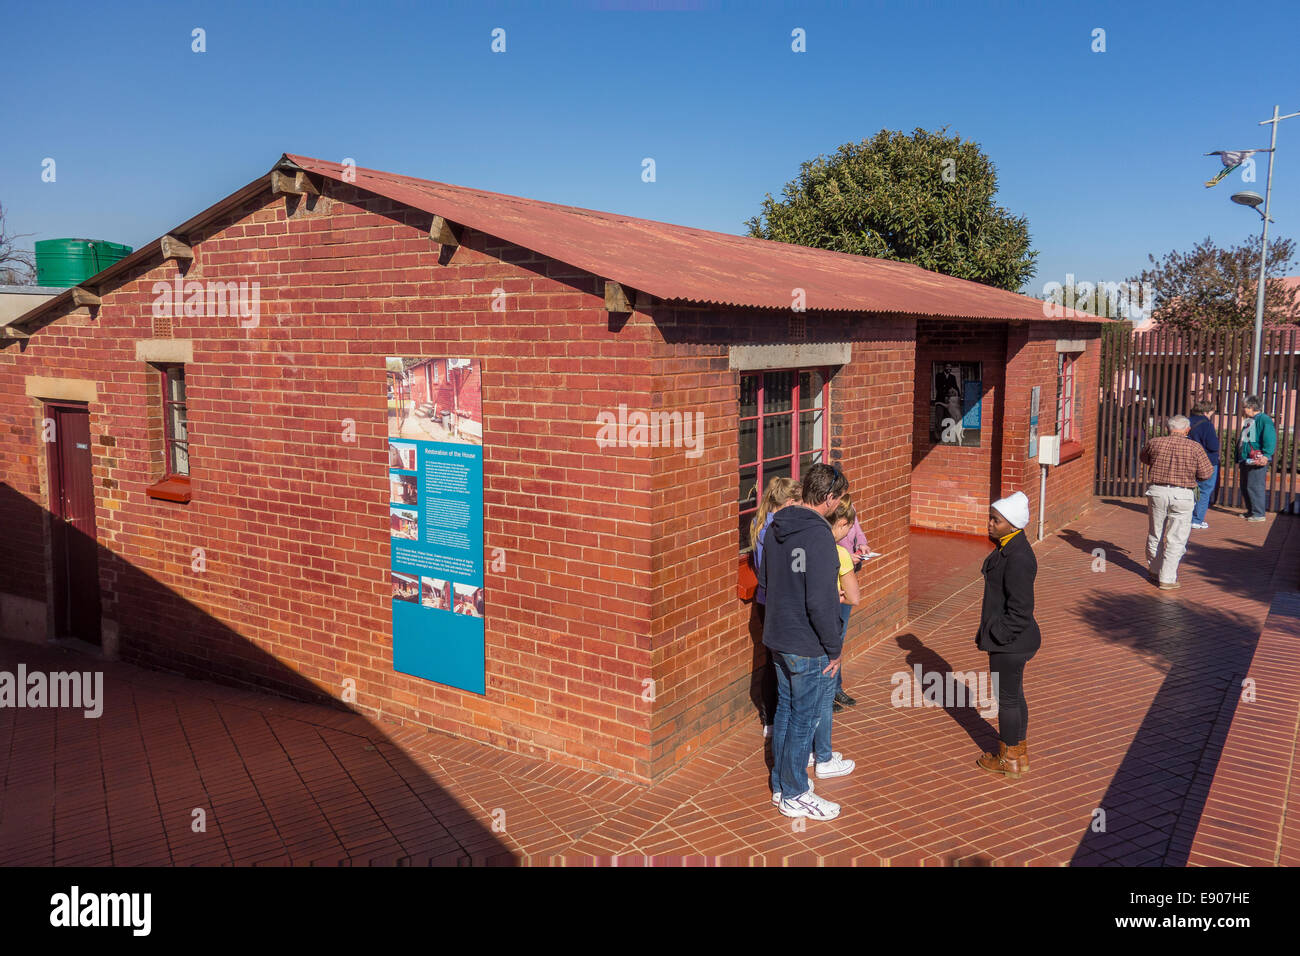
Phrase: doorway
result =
(74, 548)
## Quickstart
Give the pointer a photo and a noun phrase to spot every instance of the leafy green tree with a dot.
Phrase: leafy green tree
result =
(1086, 297)
(1212, 287)
(926, 198)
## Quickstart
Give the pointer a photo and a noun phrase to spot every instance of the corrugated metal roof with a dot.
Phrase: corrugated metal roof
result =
(679, 263)
(669, 262)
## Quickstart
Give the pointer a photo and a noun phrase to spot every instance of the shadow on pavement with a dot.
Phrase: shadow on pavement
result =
(277, 782)
(982, 733)
(1154, 801)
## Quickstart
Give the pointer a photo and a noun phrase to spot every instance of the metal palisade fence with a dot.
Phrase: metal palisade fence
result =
(1148, 376)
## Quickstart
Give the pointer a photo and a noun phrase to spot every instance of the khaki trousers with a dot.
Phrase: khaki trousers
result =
(1169, 510)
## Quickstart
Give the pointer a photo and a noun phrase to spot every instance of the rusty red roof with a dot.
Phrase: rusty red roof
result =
(672, 263)
(679, 263)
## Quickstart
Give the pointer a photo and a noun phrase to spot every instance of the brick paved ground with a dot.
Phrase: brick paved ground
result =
(1132, 699)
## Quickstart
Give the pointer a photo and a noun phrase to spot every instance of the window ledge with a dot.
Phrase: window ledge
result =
(1071, 450)
(171, 488)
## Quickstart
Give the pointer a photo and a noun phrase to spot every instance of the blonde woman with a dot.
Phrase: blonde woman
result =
(780, 493)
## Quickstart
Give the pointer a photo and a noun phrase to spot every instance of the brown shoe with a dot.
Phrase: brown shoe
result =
(1003, 762)
(1023, 755)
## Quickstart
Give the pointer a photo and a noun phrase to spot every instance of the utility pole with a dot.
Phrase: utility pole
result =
(1263, 253)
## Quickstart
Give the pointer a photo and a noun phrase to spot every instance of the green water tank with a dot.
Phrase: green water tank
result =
(67, 262)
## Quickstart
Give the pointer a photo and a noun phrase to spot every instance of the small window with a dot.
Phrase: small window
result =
(174, 484)
(1069, 413)
(956, 402)
(174, 421)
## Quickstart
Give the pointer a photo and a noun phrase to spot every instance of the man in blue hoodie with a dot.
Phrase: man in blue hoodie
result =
(800, 573)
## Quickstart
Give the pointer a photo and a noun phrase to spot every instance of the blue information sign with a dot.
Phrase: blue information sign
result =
(435, 479)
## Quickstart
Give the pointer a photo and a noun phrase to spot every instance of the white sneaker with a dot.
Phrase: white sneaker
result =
(776, 797)
(835, 755)
(837, 766)
(1199, 525)
(810, 805)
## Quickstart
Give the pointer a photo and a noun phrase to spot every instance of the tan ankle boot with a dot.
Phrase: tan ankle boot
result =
(1023, 756)
(1005, 761)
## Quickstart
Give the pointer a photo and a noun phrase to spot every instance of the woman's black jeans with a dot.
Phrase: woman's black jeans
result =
(1013, 711)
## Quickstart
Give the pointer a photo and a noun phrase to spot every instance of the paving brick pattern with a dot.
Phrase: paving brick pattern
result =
(1135, 713)
(1245, 819)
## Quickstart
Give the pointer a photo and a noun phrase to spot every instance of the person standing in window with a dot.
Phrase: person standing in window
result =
(946, 381)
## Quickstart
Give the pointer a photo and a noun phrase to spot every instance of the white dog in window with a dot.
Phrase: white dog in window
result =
(953, 433)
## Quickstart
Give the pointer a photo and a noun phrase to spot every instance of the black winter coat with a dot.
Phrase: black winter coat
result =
(1007, 622)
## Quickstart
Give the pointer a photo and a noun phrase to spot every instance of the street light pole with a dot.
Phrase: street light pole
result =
(1263, 254)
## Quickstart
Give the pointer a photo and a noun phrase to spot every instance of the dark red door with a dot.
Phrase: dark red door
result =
(72, 507)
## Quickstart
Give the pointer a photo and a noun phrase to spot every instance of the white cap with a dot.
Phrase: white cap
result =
(1015, 508)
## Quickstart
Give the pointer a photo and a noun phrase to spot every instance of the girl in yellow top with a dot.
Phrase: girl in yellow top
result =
(831, 763)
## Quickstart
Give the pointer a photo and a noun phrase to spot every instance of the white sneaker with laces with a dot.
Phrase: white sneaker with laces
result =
(776, 797)
(837, 766)
(835, 755)
(810, 805)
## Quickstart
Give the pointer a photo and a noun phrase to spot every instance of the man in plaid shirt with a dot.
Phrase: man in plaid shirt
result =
(1176, 464)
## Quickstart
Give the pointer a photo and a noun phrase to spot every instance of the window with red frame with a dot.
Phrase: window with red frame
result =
(1068, 412)
(176, 447)
(783, 430)
(174, 485)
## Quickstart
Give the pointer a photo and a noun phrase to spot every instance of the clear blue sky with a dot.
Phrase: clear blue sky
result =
(1101, 151)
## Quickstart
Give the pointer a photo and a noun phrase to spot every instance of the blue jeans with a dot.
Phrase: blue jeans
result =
(1204, 491)
(800, 686)
(1253, 479)
(825, 714)
(844, 629)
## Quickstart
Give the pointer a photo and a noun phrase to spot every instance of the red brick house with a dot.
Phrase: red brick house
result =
(205, 489)
(447, 387)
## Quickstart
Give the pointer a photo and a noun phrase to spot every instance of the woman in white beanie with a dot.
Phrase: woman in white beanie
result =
(1008, 630)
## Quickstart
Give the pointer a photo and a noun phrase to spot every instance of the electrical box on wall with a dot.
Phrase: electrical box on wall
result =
(1049, 449)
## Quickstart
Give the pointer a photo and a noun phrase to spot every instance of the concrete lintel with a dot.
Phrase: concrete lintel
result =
(1071, 345)
(62, 389)
(746, 357)
(165, 350)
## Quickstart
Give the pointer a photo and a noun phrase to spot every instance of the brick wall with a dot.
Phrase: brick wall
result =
(707, 642)
(1032, 360)
(292, 518)
(952, 485)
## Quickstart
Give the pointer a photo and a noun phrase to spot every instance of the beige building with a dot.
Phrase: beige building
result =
(17, 299)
